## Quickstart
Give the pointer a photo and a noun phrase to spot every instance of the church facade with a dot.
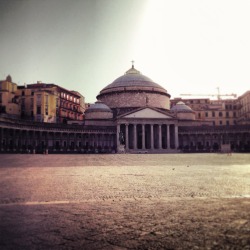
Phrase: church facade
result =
(131, 115)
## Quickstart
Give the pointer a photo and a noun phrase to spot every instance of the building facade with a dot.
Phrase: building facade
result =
(133, 114)
(8, 99)
(227, 112)
(41, 102)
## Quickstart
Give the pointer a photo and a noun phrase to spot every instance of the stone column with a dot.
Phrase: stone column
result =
(61, 141)
(54, 141)
(143, 136)
(168, 137)
(118, 129)
(135, 137)
(82, 141)
(160, 137)
(152, 136)
(127, 139)
(1, 138)
(204, 141)
(75, 141)
(14, 140)
(68, 141)
(176, 136)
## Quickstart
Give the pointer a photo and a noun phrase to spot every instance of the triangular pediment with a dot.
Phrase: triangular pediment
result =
(147, 113)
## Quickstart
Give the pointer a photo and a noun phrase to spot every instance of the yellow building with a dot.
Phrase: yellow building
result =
(49, 103)
(8, 101)
(244, 110)
(38, 104)
(219, 112)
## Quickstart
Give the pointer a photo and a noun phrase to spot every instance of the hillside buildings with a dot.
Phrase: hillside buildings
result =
(133, 114)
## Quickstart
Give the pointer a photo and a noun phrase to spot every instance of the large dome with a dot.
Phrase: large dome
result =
(132, 78)
(134, 90)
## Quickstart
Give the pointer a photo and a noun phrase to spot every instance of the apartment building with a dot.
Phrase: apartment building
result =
(50, 103)
(244, 108)
(220, 112)
(41, 102)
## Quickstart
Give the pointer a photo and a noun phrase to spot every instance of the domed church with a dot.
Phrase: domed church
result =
(141, 113)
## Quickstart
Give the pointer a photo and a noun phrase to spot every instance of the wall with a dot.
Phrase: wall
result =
(135, 99)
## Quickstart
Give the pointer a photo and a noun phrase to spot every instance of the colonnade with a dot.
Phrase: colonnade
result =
(133, 136)
(212, 141)
(145, 136)
(14, 140)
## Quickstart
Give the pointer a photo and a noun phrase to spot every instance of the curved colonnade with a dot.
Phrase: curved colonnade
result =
(51, 138)
(22, 137)
(211, 139)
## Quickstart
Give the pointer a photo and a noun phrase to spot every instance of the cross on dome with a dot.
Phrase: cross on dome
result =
(132, 63)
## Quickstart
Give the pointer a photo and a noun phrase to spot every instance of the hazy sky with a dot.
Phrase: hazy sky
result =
(186, 46)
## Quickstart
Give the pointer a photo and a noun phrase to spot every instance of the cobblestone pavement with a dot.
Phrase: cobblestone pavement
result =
(175, 201)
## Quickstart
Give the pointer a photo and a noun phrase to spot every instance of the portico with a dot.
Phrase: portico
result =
(147, 130)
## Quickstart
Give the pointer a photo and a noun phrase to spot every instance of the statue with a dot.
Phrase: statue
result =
(121, 138)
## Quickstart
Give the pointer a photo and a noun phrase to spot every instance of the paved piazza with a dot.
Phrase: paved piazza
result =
(170, 201)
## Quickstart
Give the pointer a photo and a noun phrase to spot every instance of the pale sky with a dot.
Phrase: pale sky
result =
(186, 46)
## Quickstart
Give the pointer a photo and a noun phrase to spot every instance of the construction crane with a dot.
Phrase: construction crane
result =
(218, 94)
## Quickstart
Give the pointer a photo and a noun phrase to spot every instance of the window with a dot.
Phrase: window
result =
(22, 93)
(31, 102)
(0, 97)
(57, 102)
(213, 114)
(38, 99)
(206, 114)
(23, 102)
(220, 122)
(227, 114)
(38, 110)
(199, 115)
(46, 99)
(234, 114)
(227, 122)
(220, 114)
(46, 110)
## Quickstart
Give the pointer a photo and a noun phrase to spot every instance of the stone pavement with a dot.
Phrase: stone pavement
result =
(125, 201)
